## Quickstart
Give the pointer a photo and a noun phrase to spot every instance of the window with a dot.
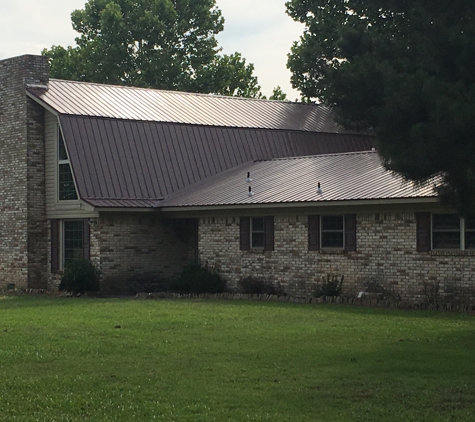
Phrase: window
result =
(256, 233)
(444, 232)
(332, 232)
(66, 187)
(70, 240)
(446, 229)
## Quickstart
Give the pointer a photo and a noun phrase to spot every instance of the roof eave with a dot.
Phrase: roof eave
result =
(42, 103)
(313, 204)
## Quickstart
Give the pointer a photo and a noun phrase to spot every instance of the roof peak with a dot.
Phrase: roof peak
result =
(335, 154)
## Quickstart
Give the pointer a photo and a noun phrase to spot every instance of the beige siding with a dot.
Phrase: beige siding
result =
(55, 208)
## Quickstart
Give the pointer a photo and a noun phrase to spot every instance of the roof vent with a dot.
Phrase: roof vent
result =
(251, 193)
(319, 189)
(248, 180)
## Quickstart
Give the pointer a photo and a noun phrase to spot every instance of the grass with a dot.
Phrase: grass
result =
(68, 360)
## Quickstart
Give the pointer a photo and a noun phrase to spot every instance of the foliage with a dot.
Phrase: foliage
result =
(254, 285)
(331, 286)
(80, 276)
(198, 278)
(165, 44)
(148, 284)
(228, 75)
(278, 94)
(403, 70)
(199, 360)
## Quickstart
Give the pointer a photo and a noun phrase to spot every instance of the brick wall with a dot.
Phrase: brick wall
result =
(386, 261)
(22, 218)
(131, 247)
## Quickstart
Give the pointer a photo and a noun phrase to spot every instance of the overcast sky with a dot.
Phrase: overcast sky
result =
(259, 29)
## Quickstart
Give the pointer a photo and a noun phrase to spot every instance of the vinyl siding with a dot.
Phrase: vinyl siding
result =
(55, 208)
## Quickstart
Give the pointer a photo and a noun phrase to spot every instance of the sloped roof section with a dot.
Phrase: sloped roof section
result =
(140, 104)
(343, 177)
(133, 164)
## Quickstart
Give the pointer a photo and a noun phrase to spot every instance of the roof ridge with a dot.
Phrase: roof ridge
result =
(187, 93)
(303, 157)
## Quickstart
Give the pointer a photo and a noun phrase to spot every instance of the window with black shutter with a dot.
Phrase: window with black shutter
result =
(332, 232)
(444, 231)
(256, 233)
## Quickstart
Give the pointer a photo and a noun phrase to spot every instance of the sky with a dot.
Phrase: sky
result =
(259, 29)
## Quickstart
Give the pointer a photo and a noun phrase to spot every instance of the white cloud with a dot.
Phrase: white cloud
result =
(258, 29)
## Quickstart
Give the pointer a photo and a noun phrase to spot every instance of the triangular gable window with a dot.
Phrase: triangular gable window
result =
(66, 187)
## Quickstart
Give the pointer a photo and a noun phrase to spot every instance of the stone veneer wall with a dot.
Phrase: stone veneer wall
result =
(131, 247)
(386, 259)
(23, 241)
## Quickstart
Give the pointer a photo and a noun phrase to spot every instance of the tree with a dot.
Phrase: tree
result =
(278, 94)
(228, 75)
(404, 70)
(165, 44)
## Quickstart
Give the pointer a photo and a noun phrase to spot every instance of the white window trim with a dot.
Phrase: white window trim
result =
(58, 163)
(462, 230)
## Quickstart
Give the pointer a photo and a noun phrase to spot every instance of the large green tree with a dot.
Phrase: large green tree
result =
(166, 44)
(403, 69)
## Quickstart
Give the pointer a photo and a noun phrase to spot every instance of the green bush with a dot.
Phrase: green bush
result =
(253, 285)
(332, 286)
(198, 278)
(80, 276)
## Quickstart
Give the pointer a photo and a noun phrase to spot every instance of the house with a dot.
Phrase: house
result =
(141, 181)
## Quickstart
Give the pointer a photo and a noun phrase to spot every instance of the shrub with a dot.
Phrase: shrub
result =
(332, 286)
(252, 285)
(198, 278)
(148, 284)
(80, 276)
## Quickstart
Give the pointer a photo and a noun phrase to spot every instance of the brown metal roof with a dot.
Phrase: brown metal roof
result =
(140, 104)
(121, 163)
(343, 177)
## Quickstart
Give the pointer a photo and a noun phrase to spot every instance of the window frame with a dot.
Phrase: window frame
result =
(342, 231)
(58, 242)
(257, 232)
(462, 230)
(246, 232)
(314, 231)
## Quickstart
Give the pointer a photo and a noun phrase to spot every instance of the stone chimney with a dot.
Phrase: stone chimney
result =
(23, 240)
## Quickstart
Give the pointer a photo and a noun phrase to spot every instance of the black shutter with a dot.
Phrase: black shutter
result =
(269, 233)
(245, 233)
(86, 240)
(423, 231)
(54, 246)
(313, 232)
(350, 232)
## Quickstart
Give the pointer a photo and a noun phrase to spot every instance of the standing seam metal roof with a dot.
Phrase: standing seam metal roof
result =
(135, 163)
(143, 104)
(343, 177)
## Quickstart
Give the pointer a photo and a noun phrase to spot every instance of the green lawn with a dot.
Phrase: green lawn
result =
(68, 360)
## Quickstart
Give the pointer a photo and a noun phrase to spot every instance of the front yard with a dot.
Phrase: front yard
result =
(79, 359)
